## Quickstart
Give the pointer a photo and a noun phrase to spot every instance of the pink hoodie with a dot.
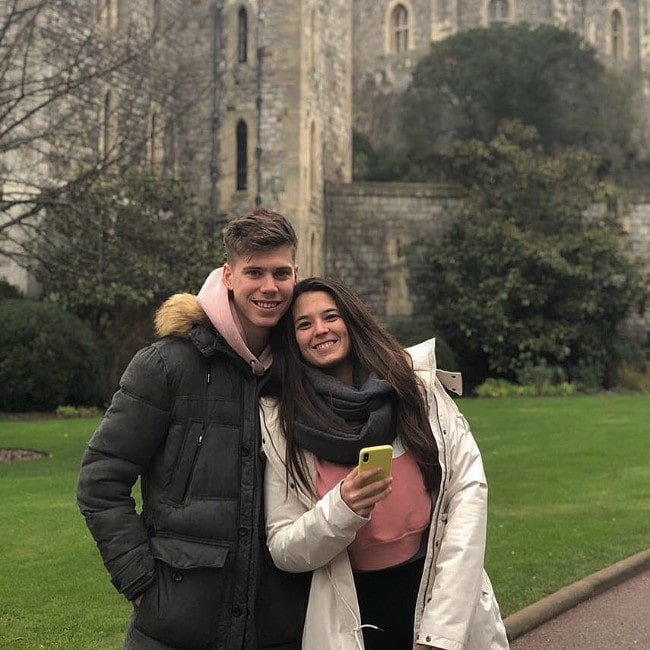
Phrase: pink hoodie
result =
(215, 301)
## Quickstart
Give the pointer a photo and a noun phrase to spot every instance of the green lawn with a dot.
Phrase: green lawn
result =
(54, 592)
(569, 486)
(569, 494)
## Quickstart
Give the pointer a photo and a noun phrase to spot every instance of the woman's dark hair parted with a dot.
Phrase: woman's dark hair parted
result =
(373, 348)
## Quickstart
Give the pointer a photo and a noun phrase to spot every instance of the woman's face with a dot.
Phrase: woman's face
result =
(321, 334)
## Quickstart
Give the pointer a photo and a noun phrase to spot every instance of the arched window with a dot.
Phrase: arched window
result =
(242, 36)
(616, 26)
(242, 155)
(498, 11)
(107, 13)
(314, 257)
(400, 28)
(313, 44)
(312, 160)
(156, 151)
(107, 132)
(156, 24)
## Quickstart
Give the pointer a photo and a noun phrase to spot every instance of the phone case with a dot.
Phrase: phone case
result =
(377, 456)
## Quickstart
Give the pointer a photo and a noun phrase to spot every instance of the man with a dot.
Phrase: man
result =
(185, 421)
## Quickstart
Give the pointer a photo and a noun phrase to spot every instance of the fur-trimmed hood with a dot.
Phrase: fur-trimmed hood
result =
(178, 314)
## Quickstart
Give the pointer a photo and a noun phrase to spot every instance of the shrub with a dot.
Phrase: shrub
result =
(631, 353)
(589, 375)
(540, 375)
(8, 291)
(504, 388)
(47, 357)
(410, 331)
(627, 376)
(68, 411)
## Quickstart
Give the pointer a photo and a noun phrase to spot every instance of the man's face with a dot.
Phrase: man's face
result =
(262, 284)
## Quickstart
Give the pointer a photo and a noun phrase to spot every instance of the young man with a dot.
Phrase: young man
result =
(185, 421)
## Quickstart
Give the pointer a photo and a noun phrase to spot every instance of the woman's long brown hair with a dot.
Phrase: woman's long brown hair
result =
(375, 349)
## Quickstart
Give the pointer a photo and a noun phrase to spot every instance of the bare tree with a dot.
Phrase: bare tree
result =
(86, 88)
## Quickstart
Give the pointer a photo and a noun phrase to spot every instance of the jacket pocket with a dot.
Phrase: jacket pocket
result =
(488, 631)
(186, 462)
(188, 604)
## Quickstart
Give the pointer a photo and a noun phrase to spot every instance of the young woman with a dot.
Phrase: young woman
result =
(397, 563)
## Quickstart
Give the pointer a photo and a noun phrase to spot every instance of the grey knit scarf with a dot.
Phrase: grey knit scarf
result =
(370, 406)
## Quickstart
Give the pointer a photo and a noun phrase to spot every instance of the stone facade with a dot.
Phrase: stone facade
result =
(369, 226)
(292, 98)
(383, 66)
(255, 102)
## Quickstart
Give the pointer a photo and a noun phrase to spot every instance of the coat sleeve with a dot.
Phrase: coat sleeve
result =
(132, 430)
(459, 543)
(304, 537)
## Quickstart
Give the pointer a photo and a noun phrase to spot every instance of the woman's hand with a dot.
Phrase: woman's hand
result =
(361, 494)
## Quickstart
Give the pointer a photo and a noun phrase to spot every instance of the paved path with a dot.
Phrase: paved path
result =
(617, 619)
(608, 610)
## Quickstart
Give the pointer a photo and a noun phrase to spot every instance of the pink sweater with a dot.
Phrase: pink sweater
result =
(394, 532)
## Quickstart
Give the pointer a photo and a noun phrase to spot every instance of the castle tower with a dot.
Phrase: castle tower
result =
(284, 108)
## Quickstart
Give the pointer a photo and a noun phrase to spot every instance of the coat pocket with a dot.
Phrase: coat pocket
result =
(188, 604)
(488, 631)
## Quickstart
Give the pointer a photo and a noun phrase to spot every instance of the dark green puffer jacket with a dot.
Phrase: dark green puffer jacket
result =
(185, 419)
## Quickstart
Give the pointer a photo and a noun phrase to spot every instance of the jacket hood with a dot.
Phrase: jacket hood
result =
(178, 315)
(424, 360)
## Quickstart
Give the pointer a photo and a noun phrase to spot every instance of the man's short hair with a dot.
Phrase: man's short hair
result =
(258, 230)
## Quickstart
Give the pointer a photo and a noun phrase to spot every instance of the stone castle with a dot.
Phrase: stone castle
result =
(272, 90)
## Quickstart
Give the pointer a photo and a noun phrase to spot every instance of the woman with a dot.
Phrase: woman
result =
(397, 563)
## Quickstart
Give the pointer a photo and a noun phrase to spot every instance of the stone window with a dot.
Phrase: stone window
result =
(616, 34)
(107, 13)
(313, 160)
(313, 43)
(242, 155)
(400, 28)
(314, 255)
(156, 23)
(498, 11)
(107, 125)
(242, 36)
(156, 150)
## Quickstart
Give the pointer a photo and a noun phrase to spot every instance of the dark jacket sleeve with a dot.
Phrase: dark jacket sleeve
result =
(133, 429)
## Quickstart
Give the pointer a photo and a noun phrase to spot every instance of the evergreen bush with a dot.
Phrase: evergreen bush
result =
(47, 357)
(8, 290)
(411, 331)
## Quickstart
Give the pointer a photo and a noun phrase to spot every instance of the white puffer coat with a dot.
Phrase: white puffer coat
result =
(456, 608)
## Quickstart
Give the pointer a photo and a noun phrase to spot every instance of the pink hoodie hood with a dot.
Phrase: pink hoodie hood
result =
(215, 302)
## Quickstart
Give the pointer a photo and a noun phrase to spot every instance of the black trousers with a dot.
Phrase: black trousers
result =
(387, 600)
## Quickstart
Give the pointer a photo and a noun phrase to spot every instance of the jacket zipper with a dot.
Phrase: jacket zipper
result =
(199, 442)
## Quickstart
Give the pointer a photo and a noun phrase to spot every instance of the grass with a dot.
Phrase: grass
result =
(569, 494)
(54, 592)
(569, 488)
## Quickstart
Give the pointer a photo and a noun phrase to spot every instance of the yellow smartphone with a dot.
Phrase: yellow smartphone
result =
(377, 456)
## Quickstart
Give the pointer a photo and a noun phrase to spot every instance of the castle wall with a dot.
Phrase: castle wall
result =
(635, 209)
(381, 74)
(369, 225)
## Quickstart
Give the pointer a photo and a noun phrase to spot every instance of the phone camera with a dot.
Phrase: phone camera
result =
(365, 457)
